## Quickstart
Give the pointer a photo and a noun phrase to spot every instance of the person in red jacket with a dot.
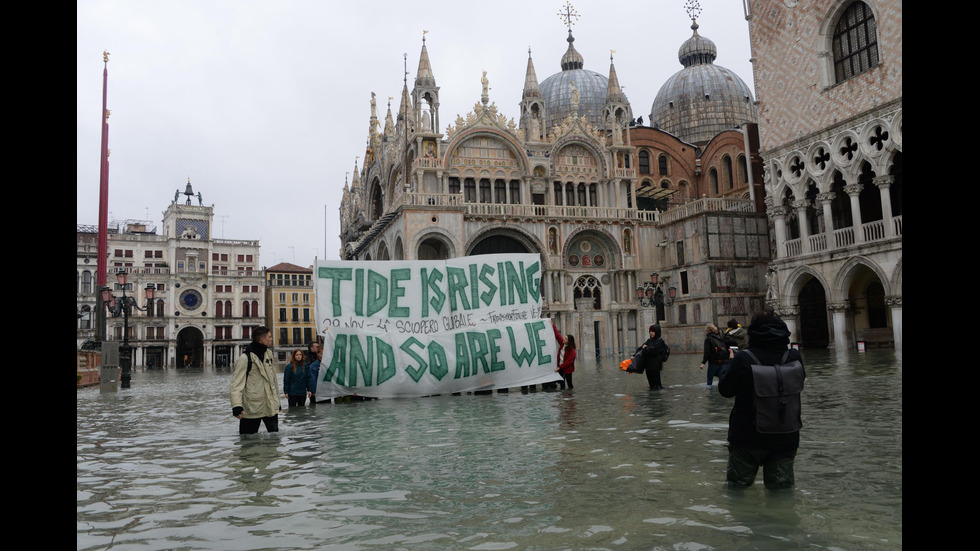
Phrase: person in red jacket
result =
(567, 365)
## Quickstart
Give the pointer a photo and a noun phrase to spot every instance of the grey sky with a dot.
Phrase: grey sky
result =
(265, 105)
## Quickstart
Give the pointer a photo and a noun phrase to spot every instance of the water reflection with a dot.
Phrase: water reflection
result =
(608, 465)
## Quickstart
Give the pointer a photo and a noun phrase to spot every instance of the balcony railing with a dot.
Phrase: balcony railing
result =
(873, 231)
(846, 237)
(794, 247)
(456, 200)
(818, 242)
(704, 205)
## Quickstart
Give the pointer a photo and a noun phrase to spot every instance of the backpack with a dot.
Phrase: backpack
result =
(776, 395)
(719, 350)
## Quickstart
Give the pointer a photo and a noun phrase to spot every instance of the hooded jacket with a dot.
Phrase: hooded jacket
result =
(654, 351)
(737, 337)
(769, 340)
(258, 392)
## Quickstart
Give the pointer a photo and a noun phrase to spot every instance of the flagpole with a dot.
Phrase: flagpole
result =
(103, 244)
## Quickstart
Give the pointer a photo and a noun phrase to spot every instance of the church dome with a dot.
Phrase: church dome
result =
(557, 90)
(702, 99)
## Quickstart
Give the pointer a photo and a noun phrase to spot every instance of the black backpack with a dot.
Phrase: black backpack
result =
(776, 395)
(719, 350)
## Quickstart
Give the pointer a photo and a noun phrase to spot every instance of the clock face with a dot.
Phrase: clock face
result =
(191, 299)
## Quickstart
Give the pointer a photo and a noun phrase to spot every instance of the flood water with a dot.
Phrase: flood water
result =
(608, 465)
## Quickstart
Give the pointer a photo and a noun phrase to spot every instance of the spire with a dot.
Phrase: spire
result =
(531, 89)
(614, 94)
(424, 76)
(405, 111)
(389, 122)
(572, 59)
(425, 95)
(406, 102)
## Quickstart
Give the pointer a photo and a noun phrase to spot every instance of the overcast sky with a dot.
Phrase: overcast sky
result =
(264, 105)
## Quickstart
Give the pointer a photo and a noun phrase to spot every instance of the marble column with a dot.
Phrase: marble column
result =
(791, 316)
(884, 183)
(826, 201)
(894, 303)
(843, 336)
(854, 192)
(586, 338)
(804, 221)
(778, 215)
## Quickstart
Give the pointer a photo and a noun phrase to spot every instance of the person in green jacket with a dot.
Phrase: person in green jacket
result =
(255, 387)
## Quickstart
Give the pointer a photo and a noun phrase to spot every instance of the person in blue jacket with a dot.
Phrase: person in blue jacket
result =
(313, 354)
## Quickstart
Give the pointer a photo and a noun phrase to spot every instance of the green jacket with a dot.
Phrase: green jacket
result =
(737, 337)
(257, 394)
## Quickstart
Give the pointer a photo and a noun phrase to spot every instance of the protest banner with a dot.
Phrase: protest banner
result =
(416, 328)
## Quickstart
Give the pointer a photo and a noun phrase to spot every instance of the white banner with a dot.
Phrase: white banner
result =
(416, 328)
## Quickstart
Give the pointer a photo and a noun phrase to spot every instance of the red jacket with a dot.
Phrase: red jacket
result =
(568, 364)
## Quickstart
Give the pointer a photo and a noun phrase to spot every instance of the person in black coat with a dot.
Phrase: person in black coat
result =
(655, 353)
(748, 449)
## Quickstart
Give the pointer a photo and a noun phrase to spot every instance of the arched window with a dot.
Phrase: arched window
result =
(570, 194)
(227, 308)
(662, 164)
(729, 177)
(255, 308)
(644, 162)
(85, 321)
(219, 309)
(588, 287)
(713, 181)
(86, 282)
(558, 193)
(792, 219)
(855, 42)
(500, 191)
(485, 191)
(581, 195)
(593, 195)
(246, 309)
(377, 202)
(515, 192)
(743, 171)
(469, 190)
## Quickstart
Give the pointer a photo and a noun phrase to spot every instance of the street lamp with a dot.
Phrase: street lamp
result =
(652, 294)
(123, 306)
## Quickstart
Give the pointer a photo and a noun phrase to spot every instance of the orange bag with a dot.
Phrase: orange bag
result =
(624, 365)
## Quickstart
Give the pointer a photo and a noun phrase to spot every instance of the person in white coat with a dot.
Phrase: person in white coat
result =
(254, 386)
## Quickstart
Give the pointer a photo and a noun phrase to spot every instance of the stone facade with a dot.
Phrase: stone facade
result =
(209, 293)
(290, 301)
(831, 135)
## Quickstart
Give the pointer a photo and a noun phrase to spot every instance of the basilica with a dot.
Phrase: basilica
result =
(636, 222)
